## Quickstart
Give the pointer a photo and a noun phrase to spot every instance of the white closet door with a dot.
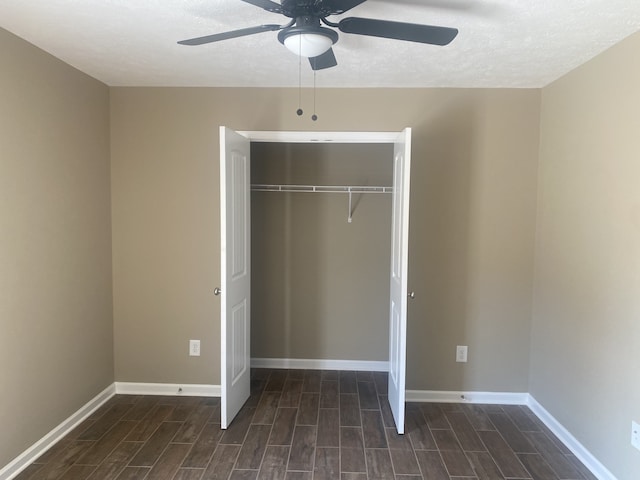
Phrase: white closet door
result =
(235, 242)
(399, 264)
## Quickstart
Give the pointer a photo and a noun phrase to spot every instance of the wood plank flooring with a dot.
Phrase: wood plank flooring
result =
(304, 425)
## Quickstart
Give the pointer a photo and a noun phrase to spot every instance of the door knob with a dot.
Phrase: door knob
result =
(411, 294)
(217, 291)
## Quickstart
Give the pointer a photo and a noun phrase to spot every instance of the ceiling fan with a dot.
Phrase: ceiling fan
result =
(305, 36)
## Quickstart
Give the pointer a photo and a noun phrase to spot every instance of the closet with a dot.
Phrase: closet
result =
(321, 236)
(304, 257)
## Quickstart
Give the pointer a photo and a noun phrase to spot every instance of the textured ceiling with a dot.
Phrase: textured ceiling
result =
(502, 43)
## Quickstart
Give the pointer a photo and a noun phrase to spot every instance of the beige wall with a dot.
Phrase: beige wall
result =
(472, 223)
(585, 360)
(56, 336)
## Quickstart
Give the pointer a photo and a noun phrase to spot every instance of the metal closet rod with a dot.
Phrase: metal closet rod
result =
(350, 189)
(321, 188)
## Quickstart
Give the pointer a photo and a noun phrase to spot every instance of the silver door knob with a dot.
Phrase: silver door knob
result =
(217, 291)
(411, 294)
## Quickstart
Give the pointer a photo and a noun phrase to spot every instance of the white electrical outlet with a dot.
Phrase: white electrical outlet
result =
(461, 353)
(635, 434)
(194, 348)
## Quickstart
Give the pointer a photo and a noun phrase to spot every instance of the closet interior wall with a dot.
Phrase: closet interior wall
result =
(320, 285)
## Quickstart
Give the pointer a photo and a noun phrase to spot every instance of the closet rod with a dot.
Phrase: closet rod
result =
(321, 188)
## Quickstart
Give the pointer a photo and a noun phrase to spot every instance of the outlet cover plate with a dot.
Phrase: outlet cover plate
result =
(194, 348)
(635, 434)
(461, 353)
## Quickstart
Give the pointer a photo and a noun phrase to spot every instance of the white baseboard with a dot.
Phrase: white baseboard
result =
(589, 461)
(188, 390)
(27, 457)
(319, 364)
(439, 396)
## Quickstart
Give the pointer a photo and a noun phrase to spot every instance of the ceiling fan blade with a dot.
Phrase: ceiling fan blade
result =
(216, 37)
(410, 32)
(266, 5)
(324, 60)
(340, 6)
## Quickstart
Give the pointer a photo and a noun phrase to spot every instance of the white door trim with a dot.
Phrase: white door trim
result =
(320, 137)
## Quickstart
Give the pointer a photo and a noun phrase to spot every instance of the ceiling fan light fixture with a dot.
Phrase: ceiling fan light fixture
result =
(308, 42)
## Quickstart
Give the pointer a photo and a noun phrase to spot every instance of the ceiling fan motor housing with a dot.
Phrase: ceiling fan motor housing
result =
(312, 8)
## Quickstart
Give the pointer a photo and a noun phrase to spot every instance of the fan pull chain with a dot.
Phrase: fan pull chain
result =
(299, 111)
(314, 117)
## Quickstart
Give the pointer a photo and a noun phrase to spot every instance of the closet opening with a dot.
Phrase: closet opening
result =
(319, 283)
(309, 283)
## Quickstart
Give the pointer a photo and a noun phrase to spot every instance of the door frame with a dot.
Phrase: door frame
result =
(320, 137)
(338, 138)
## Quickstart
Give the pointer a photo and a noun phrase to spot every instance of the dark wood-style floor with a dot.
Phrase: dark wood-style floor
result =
(307, 425)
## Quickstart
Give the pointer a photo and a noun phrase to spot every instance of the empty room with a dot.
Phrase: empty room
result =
(320, 239)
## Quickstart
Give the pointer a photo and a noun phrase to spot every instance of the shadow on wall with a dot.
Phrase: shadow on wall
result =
(280, 247)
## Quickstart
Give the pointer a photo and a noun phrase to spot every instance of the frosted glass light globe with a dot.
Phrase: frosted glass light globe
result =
(308, 44)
